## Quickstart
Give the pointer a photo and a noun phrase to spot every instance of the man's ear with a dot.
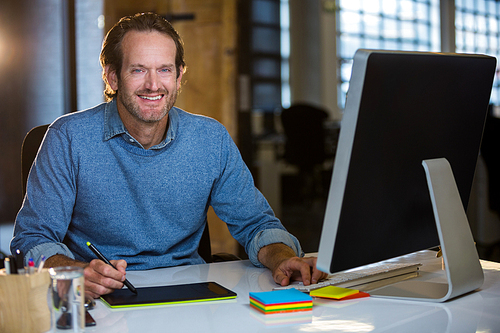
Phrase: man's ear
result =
(179, 78)
(111, 77)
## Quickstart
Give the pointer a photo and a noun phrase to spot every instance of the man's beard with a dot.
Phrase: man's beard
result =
(133, 108)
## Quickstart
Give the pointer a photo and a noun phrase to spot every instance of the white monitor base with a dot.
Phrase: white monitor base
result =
(461, 261)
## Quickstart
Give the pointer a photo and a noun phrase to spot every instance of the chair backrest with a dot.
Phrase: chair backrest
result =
(205, 249)
(305, 135)
(29, 149)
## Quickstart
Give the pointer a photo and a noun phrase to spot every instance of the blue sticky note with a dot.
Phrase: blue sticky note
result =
(280, 296)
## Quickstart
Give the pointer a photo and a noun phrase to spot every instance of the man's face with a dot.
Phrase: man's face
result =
(148, 86)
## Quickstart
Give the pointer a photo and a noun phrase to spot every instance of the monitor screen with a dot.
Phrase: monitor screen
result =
(401, 108)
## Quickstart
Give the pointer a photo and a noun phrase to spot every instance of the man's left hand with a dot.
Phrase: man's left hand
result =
(287, 267)
(298, 269)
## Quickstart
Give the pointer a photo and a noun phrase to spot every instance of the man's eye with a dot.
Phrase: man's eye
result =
(137, 70)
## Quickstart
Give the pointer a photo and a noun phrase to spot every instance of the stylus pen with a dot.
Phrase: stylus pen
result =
(103, 258)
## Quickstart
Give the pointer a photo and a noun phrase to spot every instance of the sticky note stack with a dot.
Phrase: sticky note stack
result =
(280, 301)
(337, 293)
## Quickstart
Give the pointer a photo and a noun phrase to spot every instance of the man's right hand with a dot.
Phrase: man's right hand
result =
(100, 278)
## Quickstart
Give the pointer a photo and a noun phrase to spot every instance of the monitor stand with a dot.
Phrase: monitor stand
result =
(461, 261)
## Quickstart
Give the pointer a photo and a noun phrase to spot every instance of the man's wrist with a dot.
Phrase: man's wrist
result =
(268, 237)
(273, 255)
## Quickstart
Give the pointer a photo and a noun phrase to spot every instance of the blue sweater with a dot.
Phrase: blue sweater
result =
(92, 181)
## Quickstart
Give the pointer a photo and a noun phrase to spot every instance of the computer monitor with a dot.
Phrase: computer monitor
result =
(402, 108)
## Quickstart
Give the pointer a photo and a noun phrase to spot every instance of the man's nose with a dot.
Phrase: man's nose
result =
(152, 81)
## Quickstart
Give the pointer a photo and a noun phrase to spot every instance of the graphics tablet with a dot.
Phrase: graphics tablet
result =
(173, 294)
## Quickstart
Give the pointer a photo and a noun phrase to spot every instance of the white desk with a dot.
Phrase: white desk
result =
(476, 312)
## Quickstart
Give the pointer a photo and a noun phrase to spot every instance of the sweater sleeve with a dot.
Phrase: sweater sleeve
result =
(43, 219)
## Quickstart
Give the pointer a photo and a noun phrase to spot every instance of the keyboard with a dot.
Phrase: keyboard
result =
(360, 276)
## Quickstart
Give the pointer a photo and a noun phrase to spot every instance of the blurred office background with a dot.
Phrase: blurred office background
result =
(248, 61)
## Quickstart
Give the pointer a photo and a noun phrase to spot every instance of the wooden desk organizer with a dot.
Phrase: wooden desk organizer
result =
(23, 302)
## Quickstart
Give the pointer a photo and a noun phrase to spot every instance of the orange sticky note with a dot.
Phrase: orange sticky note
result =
(361, 294)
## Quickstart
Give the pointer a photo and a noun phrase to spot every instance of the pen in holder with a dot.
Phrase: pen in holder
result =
(23, 302)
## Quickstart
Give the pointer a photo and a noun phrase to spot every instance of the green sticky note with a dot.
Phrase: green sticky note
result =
(333, 292)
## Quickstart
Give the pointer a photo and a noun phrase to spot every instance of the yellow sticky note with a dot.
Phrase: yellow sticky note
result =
(333, 292)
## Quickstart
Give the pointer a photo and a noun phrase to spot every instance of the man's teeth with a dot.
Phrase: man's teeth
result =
(152, 98)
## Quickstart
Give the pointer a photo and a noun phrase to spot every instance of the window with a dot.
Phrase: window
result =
(410, 25)
(477, 29)
(266, 55)
(285, 54)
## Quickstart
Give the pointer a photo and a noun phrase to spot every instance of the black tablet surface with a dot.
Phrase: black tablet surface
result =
(183, 293)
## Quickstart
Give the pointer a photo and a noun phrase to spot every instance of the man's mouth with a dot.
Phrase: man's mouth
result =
(151, 98)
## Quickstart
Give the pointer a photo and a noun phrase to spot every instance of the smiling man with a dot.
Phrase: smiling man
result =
(135, 175)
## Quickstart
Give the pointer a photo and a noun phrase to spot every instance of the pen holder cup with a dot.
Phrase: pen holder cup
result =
(23, 302)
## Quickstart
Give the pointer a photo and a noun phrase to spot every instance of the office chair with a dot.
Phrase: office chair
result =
(29, 149)
(303, 125)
